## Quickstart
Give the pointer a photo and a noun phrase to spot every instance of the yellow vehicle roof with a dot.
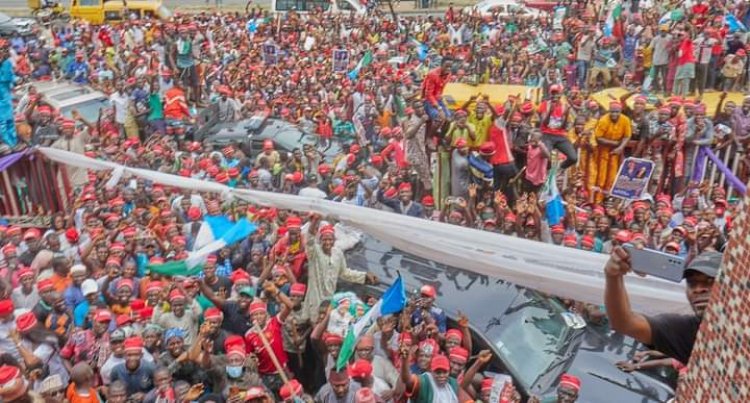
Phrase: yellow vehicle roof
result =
(133, 4)
(460, 93)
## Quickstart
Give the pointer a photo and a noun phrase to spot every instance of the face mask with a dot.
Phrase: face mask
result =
(234, 371)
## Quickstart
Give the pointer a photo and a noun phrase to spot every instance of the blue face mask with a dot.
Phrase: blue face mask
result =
(234, 371)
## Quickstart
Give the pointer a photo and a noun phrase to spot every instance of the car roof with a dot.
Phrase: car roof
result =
(65, 94)
(485, 300)
(238, 131)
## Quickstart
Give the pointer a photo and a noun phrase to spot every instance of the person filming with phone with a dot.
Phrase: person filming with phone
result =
(671, 334)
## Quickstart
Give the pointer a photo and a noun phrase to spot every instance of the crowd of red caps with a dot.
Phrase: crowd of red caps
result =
(83, 316)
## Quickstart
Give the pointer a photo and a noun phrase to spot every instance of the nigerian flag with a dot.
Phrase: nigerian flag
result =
(194, 262)
(363, 62)
(393, 301)
(614, 14)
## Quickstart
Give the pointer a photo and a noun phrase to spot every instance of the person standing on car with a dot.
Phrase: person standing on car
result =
(7, 82)
(672, 334)
(227, 108)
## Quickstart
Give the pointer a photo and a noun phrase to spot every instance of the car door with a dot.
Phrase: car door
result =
(254, 147)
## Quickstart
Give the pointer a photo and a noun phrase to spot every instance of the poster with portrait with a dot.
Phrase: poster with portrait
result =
(270, 53)
(340, 61)
(502, 388)
(632, 179)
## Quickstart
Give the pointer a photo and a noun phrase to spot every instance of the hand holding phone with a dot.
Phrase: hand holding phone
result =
(656, 263)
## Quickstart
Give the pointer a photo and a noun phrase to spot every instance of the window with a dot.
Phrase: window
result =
(89, 110)
(88, 3)
(71, 94)
(112, 16)
(302, 5)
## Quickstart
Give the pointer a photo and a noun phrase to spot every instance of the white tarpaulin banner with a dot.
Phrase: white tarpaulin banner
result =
(565, 272)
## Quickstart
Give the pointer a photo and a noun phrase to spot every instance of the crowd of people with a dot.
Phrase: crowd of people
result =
(82, 316)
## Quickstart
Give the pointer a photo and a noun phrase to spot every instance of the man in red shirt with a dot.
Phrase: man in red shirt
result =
(503, 163)
(272, 331)
(432, 91)
(700, 13)
(554, 116)
(175, 103)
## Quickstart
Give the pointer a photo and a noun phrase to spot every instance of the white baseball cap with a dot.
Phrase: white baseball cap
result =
(89, 286)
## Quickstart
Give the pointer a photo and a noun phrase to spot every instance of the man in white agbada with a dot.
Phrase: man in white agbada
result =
(326, 264)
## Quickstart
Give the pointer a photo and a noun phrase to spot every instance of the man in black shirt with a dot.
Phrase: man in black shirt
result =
(672, 334)
(236, 318)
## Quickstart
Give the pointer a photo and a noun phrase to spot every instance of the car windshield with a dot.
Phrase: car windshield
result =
(530, 336)
(89, 110)
(77, 92)
(292, 140)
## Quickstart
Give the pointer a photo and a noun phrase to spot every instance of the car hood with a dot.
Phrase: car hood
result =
(24, 22)
(485, 299)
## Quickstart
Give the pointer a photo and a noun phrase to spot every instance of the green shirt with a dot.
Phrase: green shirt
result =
(156, 107)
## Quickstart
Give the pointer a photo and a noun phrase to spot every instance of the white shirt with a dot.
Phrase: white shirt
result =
(24, 301)
(50, 358)
(120, 102)
(6, 345)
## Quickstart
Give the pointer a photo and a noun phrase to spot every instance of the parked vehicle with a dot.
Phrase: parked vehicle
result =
(532, 336)
(249, 135)
(48, 13)
(65, 97)
(108, 11)
(10, 26)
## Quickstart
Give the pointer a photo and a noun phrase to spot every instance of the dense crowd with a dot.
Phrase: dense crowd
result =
(83, 316)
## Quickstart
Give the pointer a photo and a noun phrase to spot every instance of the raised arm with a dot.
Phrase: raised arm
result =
(206, 290)
(617, 302)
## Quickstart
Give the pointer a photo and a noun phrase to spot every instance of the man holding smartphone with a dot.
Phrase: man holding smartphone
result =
(672, 334)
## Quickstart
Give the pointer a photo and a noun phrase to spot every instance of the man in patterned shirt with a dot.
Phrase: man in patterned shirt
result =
(90, 345)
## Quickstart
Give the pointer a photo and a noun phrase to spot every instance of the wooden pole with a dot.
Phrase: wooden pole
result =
(274, 359)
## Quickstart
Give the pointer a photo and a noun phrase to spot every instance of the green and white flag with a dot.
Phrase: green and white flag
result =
(363, 62)
(393, 301)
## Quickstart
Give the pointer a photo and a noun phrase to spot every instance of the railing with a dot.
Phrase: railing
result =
(723, 167)
(33, 187)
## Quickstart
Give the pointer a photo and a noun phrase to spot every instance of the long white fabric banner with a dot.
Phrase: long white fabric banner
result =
(565, 272)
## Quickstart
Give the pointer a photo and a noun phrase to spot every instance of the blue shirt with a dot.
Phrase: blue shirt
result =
(603, 57)
(80, 313)
(437, 314)
(73, 296)
(628, 48)
(78, 72)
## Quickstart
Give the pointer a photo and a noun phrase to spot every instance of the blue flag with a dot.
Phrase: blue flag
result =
(219, 224)
(734, 24)
(239, 231)
(394, 299)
